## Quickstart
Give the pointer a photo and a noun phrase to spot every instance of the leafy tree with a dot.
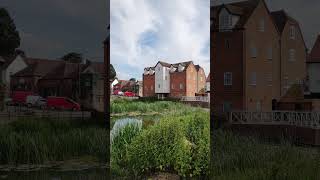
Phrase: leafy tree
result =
(133, 79)
(9, 36)
(73, 57)
(113, 72)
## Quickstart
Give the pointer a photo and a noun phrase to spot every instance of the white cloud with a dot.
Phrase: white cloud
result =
(180, 31)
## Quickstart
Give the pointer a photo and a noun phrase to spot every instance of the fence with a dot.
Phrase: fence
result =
(301, 119)
(196, 98)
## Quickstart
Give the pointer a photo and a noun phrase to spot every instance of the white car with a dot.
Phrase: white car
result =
(120, 93)
(36, 101)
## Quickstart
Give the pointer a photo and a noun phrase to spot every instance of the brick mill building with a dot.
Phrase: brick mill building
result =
(268, 56)
(173, 80)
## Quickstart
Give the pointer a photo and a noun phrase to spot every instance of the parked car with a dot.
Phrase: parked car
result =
(36, 101)
(8, 101)
(19, 97)
(62, 103)
(116, 92)
(129, 94)
(120, 93)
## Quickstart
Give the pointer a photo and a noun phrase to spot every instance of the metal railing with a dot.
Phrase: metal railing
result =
(301, 119)
(196, 98)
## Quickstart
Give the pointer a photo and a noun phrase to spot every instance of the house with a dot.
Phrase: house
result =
(208, 84)
(312, 90)
(293, 51)
(184, 79)
(48, 78)
(92, 86)
(10, 66)
(139, 88)
(148, 82)
(162, 79)
(267, 56)
(201, 79)
(173, 80)
(113, 82)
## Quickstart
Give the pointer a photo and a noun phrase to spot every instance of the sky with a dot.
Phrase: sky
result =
(306, 12)
(52, 28)
(145, 31)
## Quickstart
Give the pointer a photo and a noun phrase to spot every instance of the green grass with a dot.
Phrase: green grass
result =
(38, 141)
(125, 106)
(178, 142)
(247, 158)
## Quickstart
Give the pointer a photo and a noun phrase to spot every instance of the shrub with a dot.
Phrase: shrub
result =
(175, 143)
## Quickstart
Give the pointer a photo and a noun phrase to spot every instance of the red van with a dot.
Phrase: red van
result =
(19, 97)
(62, 103)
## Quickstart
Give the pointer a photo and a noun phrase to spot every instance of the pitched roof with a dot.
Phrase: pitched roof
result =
(314, 56)
(164, 64)
(97, 67)
(208, 78)
(280, 18)
(7, 60)
(244, 9)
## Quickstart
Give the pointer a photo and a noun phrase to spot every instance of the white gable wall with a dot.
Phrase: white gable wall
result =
(17, 65)
(162, 79)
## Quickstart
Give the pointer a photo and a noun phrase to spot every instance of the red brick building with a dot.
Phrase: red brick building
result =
(185, 79)
(148, 82)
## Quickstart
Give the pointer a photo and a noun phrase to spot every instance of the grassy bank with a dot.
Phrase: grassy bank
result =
(177, 143)
(137, 106)
(246, 158)
(38, 141)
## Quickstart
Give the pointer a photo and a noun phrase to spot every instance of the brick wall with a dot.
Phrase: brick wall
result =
(191, 73)
(148, 85)
(178, 84)
(225, 61)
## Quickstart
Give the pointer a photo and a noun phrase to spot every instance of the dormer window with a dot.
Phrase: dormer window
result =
(180, 68)
(225, 20)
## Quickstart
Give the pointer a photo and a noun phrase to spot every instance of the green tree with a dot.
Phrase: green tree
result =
(113, 72)
(9, 36)
(73, 57)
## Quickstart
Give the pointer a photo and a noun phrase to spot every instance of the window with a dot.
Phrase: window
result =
(166, 78)
(227, 43)
(270, 53)
(269, 79)
(261, 25)
(146, 88)
(227, 106)
(253, 79)
(172, 86)
(258, 105)
(292, 54)
(158, 68)
(201, 79)
(194, 78)
(253, 51)
(151, 88)
(181, 86)
(228, 79)
(292, 32)
(158, 85)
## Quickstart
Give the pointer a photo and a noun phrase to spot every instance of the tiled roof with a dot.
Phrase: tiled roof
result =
(314, 56)
(280, 18)
(244, 9)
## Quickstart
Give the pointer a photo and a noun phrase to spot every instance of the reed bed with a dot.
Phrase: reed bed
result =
(38, 141)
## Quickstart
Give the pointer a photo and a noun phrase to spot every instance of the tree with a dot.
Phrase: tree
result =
(73, 57)
(9, 36)
(113, 73)
(133, 79)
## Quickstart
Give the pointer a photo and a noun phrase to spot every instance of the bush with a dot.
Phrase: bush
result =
(179, 144)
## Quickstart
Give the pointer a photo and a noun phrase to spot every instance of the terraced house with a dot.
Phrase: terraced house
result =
(173, 80)
(268, 56)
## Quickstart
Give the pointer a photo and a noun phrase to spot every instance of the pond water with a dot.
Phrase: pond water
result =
(147, 120)
(90, 174)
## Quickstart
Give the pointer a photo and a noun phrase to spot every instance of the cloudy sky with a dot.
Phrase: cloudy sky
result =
(146, 31)
(52, 28)
(304, 11)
